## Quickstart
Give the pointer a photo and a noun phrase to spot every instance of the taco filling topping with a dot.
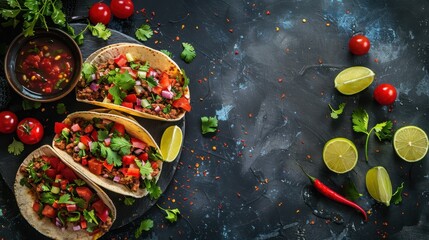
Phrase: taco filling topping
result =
(107, 150)
(63, 197)
(132, 83)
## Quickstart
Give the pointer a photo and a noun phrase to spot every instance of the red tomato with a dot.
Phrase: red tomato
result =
(85, 193)
(182, 103)
(51, 173)
(8, 122)
(49, 211)
(132, 98)
(85, 139)
(30, 131)
(137, 143)
(133, 172)
(144, 156)
(95, 166)
(119, 128)
(128, 159)
(122, 8)
(121, 60)
(101, 210)
(385, 94)
(109, 167)
(99, 13)
(59, 126)
(68, 174)
(36, 206)
(359, 45)
(127, 104)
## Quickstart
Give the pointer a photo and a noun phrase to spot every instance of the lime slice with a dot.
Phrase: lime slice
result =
(340, 155)
(353, 80)
(378, 184)
(410, 143)
(171, 142)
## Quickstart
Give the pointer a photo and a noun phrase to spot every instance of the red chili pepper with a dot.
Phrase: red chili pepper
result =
(327, 192)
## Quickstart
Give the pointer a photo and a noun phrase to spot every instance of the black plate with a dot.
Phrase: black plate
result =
(47, 114)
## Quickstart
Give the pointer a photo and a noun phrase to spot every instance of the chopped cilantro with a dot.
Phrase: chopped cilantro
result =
(188, 54)
(145, 225)
(336, 112)
(61, 108)
(65, 199)
(87, 70)
(145, 169)
(117, 94)
(151, 82)
(153, 189)
(397, 196)
(100, 31)
(129, 201)
(171, 213)
(122, 145)
(90, 216)
(166, 52)
(28, 104)
(111, 156)
(144, 32)
(209, 124)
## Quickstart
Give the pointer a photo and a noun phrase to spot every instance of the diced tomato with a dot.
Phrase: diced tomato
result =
(144, 156)
(58, 177)
(60, 166)
(48, 211)
(121, 60)
(75, 127)
(182, 103)
(101, 210)
(85, 139)
(133, 172)
(157, 90)
(85, 193)
(109, 167)
(138, 108)
(59, 126)
(164, 81)
(94, 135)
(36, 206)
(154, 165)
(123, 170)
(95, 166)
(130, 71)
(137, 143)
(131, 98)
(83, 224)
(128, 159)
(63, 184)
(48, 89)
(107, 142)
(110, 96)
(51, 172)
(127, 104)
(84, 162)
(68, 174)
(53, 161)
(55, 204)
(119, 128)
(88, 128)
(71, 207)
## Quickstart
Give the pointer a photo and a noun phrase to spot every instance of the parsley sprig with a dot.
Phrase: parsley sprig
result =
(336, 112)
(383, 130)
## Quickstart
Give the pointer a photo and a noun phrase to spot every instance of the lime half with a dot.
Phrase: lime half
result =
(353, 80)
(378, 184)
(171, 142)
(410, 143)
(340, 155)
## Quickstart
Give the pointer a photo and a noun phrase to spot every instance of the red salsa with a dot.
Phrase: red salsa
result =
(45, 66)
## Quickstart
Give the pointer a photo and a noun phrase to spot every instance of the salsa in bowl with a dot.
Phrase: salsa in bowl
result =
(44, 67)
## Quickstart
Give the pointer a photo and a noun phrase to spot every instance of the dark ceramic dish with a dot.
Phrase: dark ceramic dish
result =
(44, 67)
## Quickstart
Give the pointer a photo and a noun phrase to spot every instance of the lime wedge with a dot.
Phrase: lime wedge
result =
(410, 143)
(353, 80)
(340, 155)
(378, 185)
(171, 143)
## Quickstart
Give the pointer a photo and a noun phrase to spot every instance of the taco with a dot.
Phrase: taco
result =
(59, 202)
(137, 80)
(115, 151)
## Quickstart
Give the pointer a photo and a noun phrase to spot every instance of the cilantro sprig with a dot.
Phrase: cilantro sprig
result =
(208, 124)
(144, 32)
(145, 225)
(188, 54)
(16, 147)
(397, 196)
(171, 213)
(336, 112)
(383, 130)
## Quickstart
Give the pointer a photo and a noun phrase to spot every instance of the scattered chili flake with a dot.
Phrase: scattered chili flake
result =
(385, 223)
(280, 80)
(376, 60)
(143, 11)
(153, 13)
(238, 194)
(191, 203)
(173, 200)
(250, 115)
(197, 165)
(328, 24)
(227, 20)
(268, 12)
(214, 148)
(236, 52)
(308, 156)
(280, 204)
(43, 109)
(256, 188)
(231, 30)
(283, 96)
(312, 222)
(217, 178)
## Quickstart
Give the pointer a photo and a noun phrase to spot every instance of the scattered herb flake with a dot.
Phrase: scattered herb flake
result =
(61, 108)
(144, 32)
(129, 201)
(16, 147)
(166, 52)
(100, 31)
(397, 196)
(145, 225)
(336, 112)
(350, 191)
(171, 213)
(28, 104)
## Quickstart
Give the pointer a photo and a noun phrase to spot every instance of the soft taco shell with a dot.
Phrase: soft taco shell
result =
(132, 128)
(156, 59)
(25, 199)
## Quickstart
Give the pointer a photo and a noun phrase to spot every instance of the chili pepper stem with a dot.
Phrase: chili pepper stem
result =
(312, 179)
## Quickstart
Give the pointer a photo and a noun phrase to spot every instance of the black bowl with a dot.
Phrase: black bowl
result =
(16, 77)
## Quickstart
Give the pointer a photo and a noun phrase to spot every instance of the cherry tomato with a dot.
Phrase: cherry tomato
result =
(385, 94)
(30, 131)
(122, 8)
(8, 122)
(359, 45)
(99, 13)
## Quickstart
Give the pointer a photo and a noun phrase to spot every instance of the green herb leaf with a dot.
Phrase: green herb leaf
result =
(9, 13)
(100, 31)
(121, 145)
(171, 213)
(102, 134)
(16, 147)
(151, 82)
(58, 17)
(87, 70)
(145, 169)
(188, 54)
(111, 156)
(336, 112)
(166, 52)
(153, 189)
(117, 95)
(209, 124)
(65, 199)
(28, 104)
(397, 196)
(350, 191)
(123, 81)
(13, 3)
(90, 216)
(185, 79)
(129, 201)
(61, 108)
(384, 130)
(47, 197)
(144, 32)
(360, 120)
(145, 225)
